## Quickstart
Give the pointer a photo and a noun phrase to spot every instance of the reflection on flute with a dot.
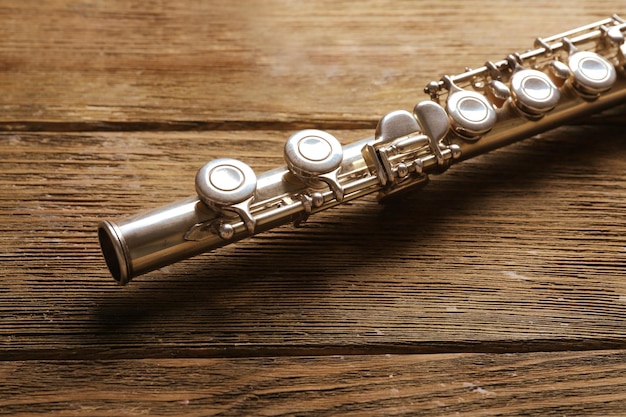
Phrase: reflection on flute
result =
(566, 76)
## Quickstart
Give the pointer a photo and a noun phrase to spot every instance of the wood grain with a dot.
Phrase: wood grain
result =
(180, 64)
(491, 256)
(545, 384)
(497, 290)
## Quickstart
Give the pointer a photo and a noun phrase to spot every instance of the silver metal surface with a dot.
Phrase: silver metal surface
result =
(471, 113)
(497, 93)
(559, 72)
(591, 74)
(395, 125)
(224, 182)
(435, 124)
(310, 153)
(534, 93)
(487, 107)
(228, 185)
(315, 155)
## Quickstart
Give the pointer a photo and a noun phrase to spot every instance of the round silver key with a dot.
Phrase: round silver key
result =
(534, 93)
(591, 73)
(224, 182)
(310, 153)
(471, 114)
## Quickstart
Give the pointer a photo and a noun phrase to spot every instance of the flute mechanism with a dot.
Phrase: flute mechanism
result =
(565, 76)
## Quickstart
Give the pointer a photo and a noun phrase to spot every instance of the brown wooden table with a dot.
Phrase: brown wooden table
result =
(497, 290)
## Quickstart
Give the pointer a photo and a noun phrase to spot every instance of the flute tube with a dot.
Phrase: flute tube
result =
(405, 150)
(142, 243)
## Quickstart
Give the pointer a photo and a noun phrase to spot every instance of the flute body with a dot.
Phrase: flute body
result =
(566, 76)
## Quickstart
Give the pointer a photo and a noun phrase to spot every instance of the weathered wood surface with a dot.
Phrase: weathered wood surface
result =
(543, 384)
(215, 64)
(109, 108)
(515, 251)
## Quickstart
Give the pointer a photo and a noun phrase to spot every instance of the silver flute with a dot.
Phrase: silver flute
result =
(566, 76)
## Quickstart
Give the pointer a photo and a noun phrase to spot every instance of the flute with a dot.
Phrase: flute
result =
(566, 76)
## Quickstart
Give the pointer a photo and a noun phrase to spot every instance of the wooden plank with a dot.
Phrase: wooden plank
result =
(70, 65)
(518, 250)
(108, 108)
(546, 384)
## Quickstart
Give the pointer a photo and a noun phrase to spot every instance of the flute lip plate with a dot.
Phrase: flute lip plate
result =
(115, 251)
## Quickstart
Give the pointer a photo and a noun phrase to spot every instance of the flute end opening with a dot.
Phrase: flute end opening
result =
(114, 251)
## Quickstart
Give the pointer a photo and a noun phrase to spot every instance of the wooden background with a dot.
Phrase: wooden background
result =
(497, 290)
